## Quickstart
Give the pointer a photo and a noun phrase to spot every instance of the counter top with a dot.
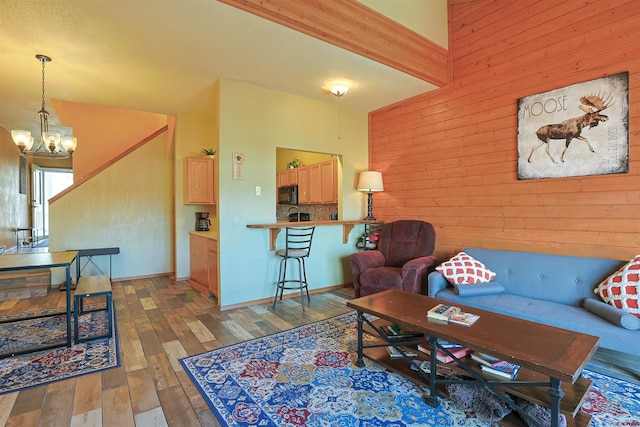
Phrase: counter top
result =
(276, 227)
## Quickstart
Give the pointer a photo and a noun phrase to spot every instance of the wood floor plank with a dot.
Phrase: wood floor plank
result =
(195, 398)
(207, 418)
(131, 346)
(27, 419)
(151, 345)
(162, 372)
(152, 418)
(200, 331)
(144, 396)
(176, 407)
(91, 418)
(6, 403)
(114, 378)
(88, 394)
(57, 408)
(175, 351)
(29, 400)
(116, 407)
(148, 303)
(238, 331)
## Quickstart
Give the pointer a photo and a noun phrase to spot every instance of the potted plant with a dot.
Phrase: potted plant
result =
(209, 152)
(295, 163)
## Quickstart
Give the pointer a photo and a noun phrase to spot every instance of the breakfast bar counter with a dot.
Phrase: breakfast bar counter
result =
(276, 227)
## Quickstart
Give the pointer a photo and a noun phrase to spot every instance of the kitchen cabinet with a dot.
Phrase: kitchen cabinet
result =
(287, 177)
(303, 185)
(315, 184)
(199, 181)
(292, 176)
(282, 179)
(329, 181)
(212, 266)
(203, 262)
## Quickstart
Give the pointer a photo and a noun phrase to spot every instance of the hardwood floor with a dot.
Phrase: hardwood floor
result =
(159, 321)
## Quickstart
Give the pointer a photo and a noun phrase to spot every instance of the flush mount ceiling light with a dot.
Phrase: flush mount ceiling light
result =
(52, 145)
(338, 87)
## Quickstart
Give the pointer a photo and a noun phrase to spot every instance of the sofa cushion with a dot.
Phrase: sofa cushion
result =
(489, 288)
(464, 269)
(622, 288)
(612, 314)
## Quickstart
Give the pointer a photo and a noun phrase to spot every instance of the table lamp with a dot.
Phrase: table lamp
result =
(370, 182)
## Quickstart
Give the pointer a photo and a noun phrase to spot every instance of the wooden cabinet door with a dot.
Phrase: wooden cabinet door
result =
(329, 187)
(198, 262)
(292, 176)
(303, 185)
(315, 183)
(199, 181)
(212, 266)
(282, 179)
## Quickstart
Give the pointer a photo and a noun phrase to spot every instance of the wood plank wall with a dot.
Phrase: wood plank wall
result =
(450, 156)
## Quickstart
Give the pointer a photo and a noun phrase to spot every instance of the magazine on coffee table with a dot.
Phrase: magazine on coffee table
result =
(465, 319)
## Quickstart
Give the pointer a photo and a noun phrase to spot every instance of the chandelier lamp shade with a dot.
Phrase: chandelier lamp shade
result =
(370, 182)
(51, 144)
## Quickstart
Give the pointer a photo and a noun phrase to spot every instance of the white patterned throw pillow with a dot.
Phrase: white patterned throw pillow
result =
(622, 288)
(464, 269)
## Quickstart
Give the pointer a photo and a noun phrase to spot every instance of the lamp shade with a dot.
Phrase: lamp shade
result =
(370, 181)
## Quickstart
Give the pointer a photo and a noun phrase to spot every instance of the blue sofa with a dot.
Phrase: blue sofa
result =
(544, 288)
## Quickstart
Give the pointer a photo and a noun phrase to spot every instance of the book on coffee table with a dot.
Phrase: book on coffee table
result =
(484, 358)
(398, 332)
(465, 319)
(502, 369)
(395, 354)
(443, 312)
(443, 357)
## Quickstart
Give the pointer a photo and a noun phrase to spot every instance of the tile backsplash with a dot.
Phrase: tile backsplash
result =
(316, 212)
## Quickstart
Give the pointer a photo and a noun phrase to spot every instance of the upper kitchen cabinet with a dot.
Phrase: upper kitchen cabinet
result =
(329, 178)
(199, 181)
(317, 183)
(303, 185)
(287, 177)
(292, 176)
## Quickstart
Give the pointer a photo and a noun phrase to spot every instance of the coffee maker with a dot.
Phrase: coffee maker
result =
(202, 221)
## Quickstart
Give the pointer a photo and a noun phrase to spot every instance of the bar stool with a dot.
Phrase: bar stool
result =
(298, 247)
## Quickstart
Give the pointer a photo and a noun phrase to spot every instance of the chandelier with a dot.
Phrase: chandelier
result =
(52, 145)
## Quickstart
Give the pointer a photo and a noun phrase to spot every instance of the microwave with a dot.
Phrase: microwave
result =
(288, 195)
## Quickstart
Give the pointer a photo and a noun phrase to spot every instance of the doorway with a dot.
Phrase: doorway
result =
(47, 182)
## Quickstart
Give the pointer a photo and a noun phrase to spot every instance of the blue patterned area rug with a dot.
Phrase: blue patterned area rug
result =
(307, 377)
(47, 366)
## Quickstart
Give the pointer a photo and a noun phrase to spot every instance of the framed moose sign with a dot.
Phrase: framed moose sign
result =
(577, 130)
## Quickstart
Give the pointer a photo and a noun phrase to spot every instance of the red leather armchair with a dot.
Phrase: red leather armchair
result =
(403, 259)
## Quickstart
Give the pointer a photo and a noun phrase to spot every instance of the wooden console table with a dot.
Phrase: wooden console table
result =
(276, 227)
(548, 356)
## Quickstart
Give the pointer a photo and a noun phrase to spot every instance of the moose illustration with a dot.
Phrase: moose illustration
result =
(592, 105)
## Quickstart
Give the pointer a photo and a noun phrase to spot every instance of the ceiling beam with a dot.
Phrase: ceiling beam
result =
(353, 26)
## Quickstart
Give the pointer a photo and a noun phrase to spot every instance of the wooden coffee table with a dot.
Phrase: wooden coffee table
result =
(552, 359)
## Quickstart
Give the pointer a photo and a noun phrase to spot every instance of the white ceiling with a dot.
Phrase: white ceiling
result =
(161, 55)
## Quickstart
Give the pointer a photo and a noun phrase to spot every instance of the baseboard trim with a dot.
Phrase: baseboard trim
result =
(286, 296)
